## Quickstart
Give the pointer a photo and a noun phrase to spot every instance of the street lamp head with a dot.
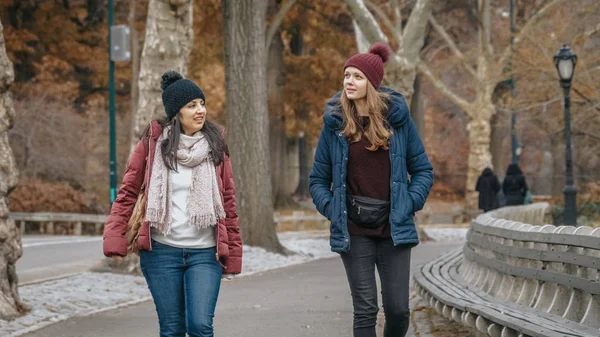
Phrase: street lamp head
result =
(565, 61)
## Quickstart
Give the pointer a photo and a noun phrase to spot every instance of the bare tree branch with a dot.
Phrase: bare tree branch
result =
(431, 55)
(362, 44)
(524, 31)
(445, 90)
(592, 31)
(485, 47)
(579, 133)
(398, 16)
(442, 31)
(414, 32)
(587, 99)
(365, 20)
(369, 28)
(531, 107)
(386, 21)
(277, 21)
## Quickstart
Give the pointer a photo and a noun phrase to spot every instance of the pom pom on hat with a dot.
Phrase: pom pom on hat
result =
(177, 92)
(168, 78)
(381, 49)
(371, 63)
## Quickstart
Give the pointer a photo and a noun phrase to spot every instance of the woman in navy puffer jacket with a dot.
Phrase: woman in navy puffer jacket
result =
(360, 181)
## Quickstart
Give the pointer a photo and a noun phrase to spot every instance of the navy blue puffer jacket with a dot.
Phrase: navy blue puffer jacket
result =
(407, 156)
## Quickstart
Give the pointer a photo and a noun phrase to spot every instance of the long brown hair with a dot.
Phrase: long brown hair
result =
(377, 133)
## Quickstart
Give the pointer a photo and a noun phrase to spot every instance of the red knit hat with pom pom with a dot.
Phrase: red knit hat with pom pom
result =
(371, 63)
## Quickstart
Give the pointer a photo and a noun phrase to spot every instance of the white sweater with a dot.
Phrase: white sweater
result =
(182, 234)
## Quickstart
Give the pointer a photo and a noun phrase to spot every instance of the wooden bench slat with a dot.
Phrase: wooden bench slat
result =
(573, 281)
(584, 241)
(558, 323)
(483, 242)
(477, 297)
(453, 293)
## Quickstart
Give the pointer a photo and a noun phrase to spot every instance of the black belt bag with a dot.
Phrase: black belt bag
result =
(367, 212)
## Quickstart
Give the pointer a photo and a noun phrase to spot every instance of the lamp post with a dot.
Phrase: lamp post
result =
(513, 116)
(111, 109)
(565, 61)
(119, 50)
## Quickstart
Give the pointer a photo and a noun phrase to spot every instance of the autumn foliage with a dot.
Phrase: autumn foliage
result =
(59, 50)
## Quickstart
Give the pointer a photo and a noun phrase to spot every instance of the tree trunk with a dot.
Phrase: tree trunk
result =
(417, 112)
(499, 132)
(302, 191)
(545, 180)
(284, 158)
(401, 79)
(292, 172)
(479, 156)
(248, 119)
(95, 12)
(277, 137)
(10, 237)
(278, 143)
(165, 48)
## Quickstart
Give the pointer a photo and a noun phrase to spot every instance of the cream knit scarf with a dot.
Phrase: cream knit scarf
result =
(204, 206)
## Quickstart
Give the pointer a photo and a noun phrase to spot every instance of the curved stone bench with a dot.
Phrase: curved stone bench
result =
(519, 279)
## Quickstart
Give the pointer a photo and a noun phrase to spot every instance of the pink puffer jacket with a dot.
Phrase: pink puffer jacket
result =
(139, 170)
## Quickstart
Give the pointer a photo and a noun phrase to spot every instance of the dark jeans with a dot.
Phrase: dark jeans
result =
(393, 264)
(185, 285)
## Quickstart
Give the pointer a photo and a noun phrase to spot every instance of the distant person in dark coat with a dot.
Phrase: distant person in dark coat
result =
(488, 187)
(514, 186)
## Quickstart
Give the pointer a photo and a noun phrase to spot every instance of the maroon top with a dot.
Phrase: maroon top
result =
(368, 175)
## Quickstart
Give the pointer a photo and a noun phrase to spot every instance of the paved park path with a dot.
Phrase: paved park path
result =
(311, 299)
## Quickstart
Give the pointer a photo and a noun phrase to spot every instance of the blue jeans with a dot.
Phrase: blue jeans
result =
(184, 284)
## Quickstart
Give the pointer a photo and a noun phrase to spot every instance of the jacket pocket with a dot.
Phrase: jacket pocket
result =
(327, 210)
(334, 207)
(408, 201)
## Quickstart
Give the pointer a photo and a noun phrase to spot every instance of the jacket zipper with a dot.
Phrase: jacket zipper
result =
(362, 207)
(217, 241)
(217, 232)
(344, 165)
(146, 176)
(217, 238)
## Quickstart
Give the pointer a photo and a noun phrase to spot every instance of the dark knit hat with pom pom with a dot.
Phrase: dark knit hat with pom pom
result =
(371, 63)
(177, 92)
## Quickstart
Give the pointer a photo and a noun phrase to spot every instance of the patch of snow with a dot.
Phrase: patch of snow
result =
(447, 234)
(90, 293)
(79, 295)
(60, 241)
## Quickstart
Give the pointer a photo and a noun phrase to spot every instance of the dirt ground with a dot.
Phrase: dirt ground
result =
(428, 323)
